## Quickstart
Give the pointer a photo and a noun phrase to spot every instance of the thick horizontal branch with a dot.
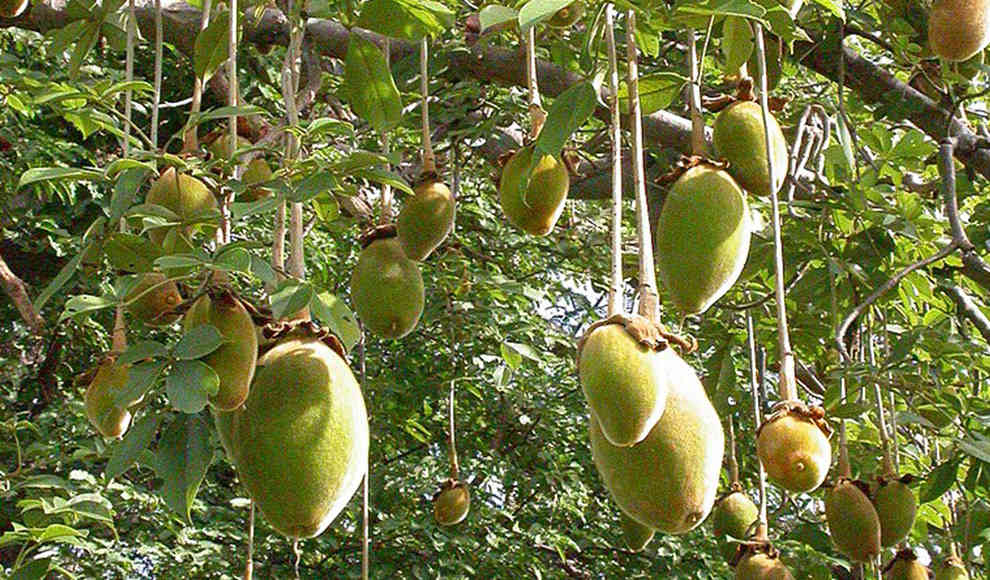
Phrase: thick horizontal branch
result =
(969, 310)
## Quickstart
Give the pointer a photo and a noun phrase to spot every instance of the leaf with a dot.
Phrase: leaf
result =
(977, 447)
(569, 111)
(137, 439)
(85, 43)
(495, 14)
(85, 304)
(384, 177)
(210, 51)
(33, 570)
(131, 253)
(39, 174)
(189, 385)
(332, 311)
(371, 90)
(290, 297)
(313, 186)
(536, 11)
(56, 532)
(939, 481)
(656, 91)
(62, 277)
(140, 378)
(181, 461)
(737, 43)
(405, 19)
(198, 342)
(146, 349)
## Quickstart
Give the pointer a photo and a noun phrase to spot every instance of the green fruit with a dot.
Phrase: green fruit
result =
(733, 516)
(426, 220)
(738, 137)
(536, 206)
(852, 522)
(12, 8)
(452, 504)
(760, 566)
(568, 15)
(635, 535)
(951, 569)
(387, 289)
(235, 359)
(795, 452)
(257, 171)
(109, 380)
(702, 238)
(896, 506)
(185, 195)
(300, 441)
(154, 297)
(906, 569)
(959, 29)
(667, 481)
(220, 147)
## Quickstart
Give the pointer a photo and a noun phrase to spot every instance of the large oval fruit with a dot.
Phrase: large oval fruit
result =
(452, 504)
(109, 380)
(760, 566)
(426, 220)
(852, 521)
(896, 506)
(387, 289)
(536, 206)
(959, 29)
(185, 195)
(738, 137)
(234, 360)
(568, 15)
(795, 452)
(300, 441)
(154, 296)
(951, 569)
(733, 516)
(904, 568)
(702, 238)
(667, 481)
(12, 8)
(635, 535)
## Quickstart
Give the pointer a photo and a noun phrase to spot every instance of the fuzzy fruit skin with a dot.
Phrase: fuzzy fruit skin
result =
(951, 569)
(426, 220)
(896, 506)
(567, 16)
(702, 238)
(738, 137)
(635, 535)
(795, 453)
(625, 383)
(111, 421)
(300, 441)
(959, 29)
(762, 567)
(452, 505)
(220, 147)
(536, 208)
(667, 481)
(150, 307)
(12, 8)
(734, 516)
(852, 522)
(907, 570)
(183, 194)
(234, 360)
(257, 171)
(387, 289)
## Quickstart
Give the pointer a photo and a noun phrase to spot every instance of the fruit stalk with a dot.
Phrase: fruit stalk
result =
(249, 565)
(615, 299)
(761, 528)
(451, 438)
(429, 160)
(697, 121)
(731, 462)
(386, 205)
(844, 469)
(888, 464)
(129, 72)
(290, 84)
(157, 96)
(190, 141)
(537, 115)
(365, 502)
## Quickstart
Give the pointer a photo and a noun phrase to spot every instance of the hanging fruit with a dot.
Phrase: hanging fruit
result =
(386, 286)
(635, 535)
(426, 219)
(567, 16)
(533, 205)
(739, 138)
(959, 29)
(794, 449)
(734, 515)
(153, 299)
(905, 566)
(951, 569)
(762, 564)
(852, 521)
(108, 381)
(185, 195)
(896, 506)
(452, 503)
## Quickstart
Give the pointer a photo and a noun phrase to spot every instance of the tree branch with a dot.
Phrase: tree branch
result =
(15, 288)
(969, 309)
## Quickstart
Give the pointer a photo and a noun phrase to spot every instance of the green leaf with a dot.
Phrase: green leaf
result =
(33, 570)
(39, 174)
(210, 51)
(656, 92)
(569, 111)
(62, 277)
(495, 14)
(834, 7)
(405, 19)
(370, 88)
(939, 481)
(85, 304)
(189, 385)
(131, 253)
(511, 356)
(290, 297)
(140, 378)
(139, 351)
(384, 177)
(181, 461)
(536, 11)
(976, 446)
(737, 43)
(198, 342)
(313, 186)
(334, 313)
(137, 439)
(87, 40)
(56, 532)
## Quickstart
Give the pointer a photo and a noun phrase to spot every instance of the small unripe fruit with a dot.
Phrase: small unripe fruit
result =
(959, 29)
(896, 507)
(235, 359)
(452, 504)
(185, 195)
(635, 535)
(795, 452)
(536, 206)
(733, 515)
(426, 220)
(951, 569)
(568, 15)
(739, 138)
(852, 522)
(387, 289)
(154, 297)
(760, 566)
(109, 419)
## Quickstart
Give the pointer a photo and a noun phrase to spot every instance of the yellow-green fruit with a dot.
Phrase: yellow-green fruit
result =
(426, 220)
(257, 171)
(452, 505)
(759, 566)
(635, 535)
(625, 383)
(958, 29)
(951, 569)
(896, 506)
(852, 522)
(907, 569)
(667, 481)
(734, 516)
(536, 206)
(235, 359)
(702, 238)
(738, 137)
(154, 297)
(185, 195)
(12, 8)
(568, 15)
(109, 419)
(795, 452)
(220, 147)
(300, 441)
(387, 289)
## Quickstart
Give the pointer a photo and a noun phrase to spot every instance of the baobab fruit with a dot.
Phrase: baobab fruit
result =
(761, 566)
(257, 172)
(109, 419)
(387, 289)
(184, 195)
(739, 139)
(951, 569)
(426, 220)
(896, 506)
(452, 503)
(959, 29)
(235, 359)
(152, 299)
(12, 8)
(220, 147)
(635, 535)
(852, 521)
(905, 566)
(568, 15)
(795, 452)
(534, 205)
(300, 441)
(667, 481)
(702, 237)
(734, 516)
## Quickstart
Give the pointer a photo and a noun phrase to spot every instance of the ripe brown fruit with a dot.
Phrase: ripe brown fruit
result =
(852, 521)
(387, 289)
(635, 535)
(739, 138)
(426, 220)
(896, 506)
(760, 566)
(451, 505)
(536, 206)
(733, 516)
(795, 452)
(235, 359)
(185, 195)
(109, 380)
(959, 29)
(154, 297)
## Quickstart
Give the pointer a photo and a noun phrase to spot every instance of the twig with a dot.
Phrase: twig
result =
(968, 309)
(615, 293)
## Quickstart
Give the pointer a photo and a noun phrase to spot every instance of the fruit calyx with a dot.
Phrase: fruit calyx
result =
(427, 178)
(905, 554)
(447, 484)
(644, 331)
(906, 479)
(754, 546)
(687, 162)
(275, 331)
(380, 232)
(811, 413)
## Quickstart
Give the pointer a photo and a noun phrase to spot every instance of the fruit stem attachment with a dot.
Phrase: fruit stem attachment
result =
(888, 464)
(451, 439)
(649, 300)
(788, 384)
(157, 96)
(537, 116)
(754, 386)
(119, 340)
(731, 462)
(190, 139)
(290, 85)
(429, 160)
(386, 201)
(615, 297)
(697, 120)
(365, 500)
(844, 468)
